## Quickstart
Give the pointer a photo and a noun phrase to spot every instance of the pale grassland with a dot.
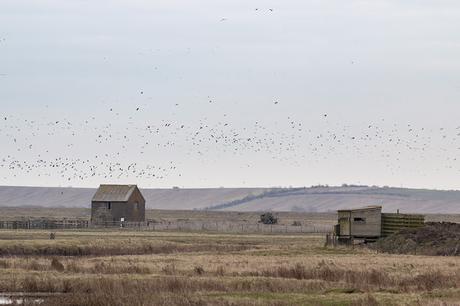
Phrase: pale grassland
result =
(285, 218)
(169, 268)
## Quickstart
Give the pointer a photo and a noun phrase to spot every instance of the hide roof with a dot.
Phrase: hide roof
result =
(372, 207)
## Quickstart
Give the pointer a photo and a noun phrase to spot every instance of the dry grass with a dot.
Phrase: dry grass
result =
(212, 269)
(101, 244)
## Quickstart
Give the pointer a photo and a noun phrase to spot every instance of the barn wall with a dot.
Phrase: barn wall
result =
(100, 213)
(130, 211)
(135, 213)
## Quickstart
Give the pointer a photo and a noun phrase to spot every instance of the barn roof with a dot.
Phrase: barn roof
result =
(114, 193)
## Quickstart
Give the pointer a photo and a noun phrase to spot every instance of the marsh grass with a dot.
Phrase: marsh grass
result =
(364, 279)
(198, 269)
(146, 247)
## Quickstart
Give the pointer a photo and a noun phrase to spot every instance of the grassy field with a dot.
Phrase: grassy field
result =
(285, 218)
(167, 268)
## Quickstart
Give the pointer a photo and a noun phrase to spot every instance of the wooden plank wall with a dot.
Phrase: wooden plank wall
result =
(392, 223)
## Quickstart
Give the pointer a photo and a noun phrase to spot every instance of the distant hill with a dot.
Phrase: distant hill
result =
(314, 199)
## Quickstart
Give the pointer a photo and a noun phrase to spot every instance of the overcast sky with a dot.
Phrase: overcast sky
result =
(292, 92)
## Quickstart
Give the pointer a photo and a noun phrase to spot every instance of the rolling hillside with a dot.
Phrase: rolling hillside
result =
(317, 199)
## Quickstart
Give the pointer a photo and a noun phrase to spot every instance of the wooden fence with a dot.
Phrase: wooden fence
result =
(44, 224)
(391, 223)
(185, 226)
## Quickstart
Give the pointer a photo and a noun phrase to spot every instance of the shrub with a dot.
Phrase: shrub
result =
(57, 265)
(268, 218)
(199, 270)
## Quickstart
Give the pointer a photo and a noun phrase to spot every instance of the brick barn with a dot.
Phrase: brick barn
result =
(114, 203)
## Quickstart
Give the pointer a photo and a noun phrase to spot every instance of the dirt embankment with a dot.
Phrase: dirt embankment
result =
(435, 238)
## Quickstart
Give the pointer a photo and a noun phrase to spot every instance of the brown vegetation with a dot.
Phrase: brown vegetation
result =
(117, 290)
(435, 238)
(104, 249)
(211, 269)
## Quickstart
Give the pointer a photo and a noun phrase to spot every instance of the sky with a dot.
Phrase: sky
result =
(230, 93)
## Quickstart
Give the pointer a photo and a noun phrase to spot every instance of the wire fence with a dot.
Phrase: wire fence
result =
(234, 227)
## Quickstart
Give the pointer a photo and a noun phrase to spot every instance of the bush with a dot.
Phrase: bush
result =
(199, 270)
(57, 265)
(268, 218)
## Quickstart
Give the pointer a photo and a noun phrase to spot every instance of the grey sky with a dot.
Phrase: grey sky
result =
(391, 65)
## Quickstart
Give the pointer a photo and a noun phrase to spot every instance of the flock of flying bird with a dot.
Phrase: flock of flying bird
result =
(122, 144)
(127, 146)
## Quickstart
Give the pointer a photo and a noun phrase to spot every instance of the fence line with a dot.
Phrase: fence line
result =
(186, 226)
(44, 224)
(233, 227)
